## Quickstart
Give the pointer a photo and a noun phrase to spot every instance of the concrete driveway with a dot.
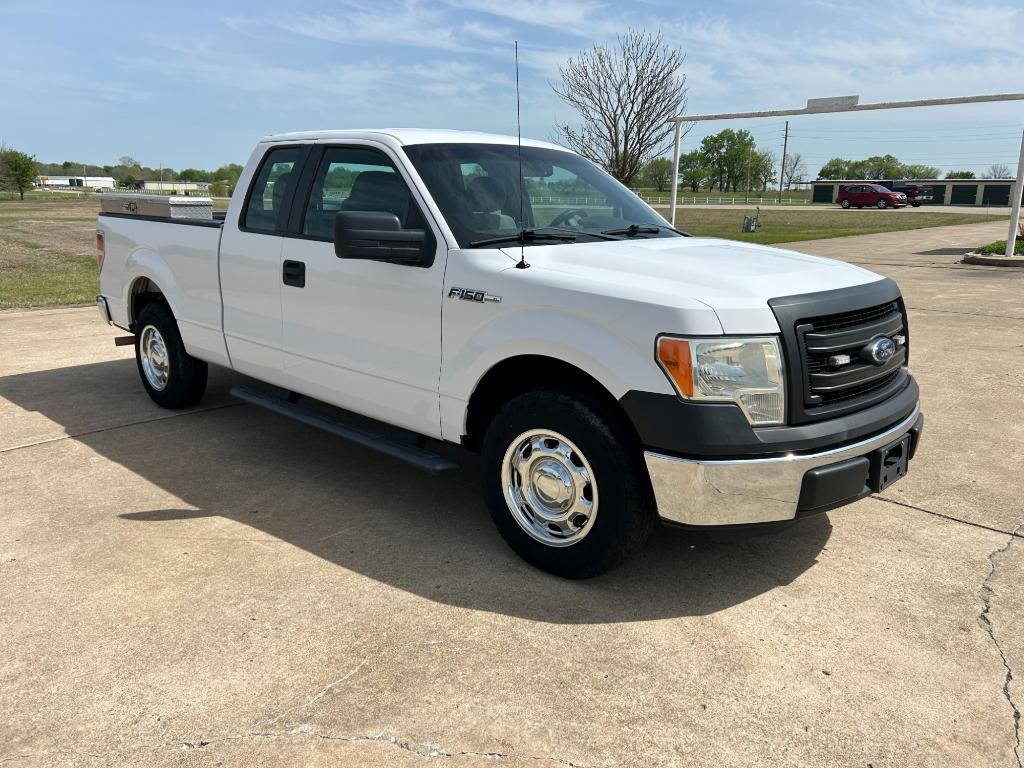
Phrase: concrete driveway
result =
(223, 587)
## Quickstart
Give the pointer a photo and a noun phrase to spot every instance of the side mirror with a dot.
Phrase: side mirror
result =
(376, 236)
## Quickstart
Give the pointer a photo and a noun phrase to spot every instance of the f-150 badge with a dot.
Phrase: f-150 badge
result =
(471, 294)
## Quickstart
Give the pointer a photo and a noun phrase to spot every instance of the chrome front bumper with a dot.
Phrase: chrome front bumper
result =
(743, 491)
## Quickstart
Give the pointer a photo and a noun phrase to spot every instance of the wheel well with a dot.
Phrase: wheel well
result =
(143, 292)
(517, 375)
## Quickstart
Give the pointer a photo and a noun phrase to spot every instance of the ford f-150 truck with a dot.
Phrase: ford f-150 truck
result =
(461, 288)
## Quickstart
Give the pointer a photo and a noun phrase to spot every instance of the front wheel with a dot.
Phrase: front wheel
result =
(171, 376)
(565, 484)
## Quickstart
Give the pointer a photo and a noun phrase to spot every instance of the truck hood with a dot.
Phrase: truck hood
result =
(735, 279)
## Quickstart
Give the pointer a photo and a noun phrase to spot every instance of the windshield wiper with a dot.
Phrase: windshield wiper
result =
(635, 229)
(523, 236)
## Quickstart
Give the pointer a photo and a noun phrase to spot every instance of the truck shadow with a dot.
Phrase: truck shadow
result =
(429, 535)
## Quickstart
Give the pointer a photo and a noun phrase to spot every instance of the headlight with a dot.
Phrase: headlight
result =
(747, 372)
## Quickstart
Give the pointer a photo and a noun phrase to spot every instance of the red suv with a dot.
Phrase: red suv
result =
(859, 195)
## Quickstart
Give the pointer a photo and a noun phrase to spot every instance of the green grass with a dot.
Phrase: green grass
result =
(999, 247)
(48, 279)
(785, 226)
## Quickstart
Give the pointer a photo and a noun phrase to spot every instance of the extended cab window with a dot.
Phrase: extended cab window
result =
(357, 179)
(268, 193)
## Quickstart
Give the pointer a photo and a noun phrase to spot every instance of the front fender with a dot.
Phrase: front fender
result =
(617, 362)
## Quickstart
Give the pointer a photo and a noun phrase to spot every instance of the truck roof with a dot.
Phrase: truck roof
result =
(407, 136)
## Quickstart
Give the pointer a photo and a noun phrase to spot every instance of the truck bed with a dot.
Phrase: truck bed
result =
(180, 255)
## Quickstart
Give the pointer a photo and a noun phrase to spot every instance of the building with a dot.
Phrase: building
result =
(995, 192)
(76, 182)
(176, 187)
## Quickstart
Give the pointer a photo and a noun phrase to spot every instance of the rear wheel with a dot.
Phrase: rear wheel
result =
(915, 205)
(845, 204)
(883, 203)
(171, 376)
(565, 484)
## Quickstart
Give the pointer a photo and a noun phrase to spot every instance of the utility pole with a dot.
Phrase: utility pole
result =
(782, 168)
(1011, 236)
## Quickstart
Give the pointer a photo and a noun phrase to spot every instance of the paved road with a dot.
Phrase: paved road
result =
(225, 587)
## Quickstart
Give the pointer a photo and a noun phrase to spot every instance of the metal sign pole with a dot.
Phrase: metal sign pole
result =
(675, 169)
(1011, 237)
(848, 104)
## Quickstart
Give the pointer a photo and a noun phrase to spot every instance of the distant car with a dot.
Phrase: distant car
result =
(916, 194)
(859, 195)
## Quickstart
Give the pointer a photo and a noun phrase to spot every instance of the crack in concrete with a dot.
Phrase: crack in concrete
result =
(330, 687)
(422, 749)
(1015, 533)
(985, 623)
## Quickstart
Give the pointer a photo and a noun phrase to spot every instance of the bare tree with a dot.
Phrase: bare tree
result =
(624, 96)
(795, 170)
(997, 171)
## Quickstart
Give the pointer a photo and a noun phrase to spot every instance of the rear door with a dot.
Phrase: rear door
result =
(363, 335)
(250, 264)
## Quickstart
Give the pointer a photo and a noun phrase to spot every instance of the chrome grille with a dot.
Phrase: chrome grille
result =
(831, 346)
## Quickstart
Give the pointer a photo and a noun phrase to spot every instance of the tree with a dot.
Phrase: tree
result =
(19, 170)
(128, 161)
(919, 171)
(194, 174)
(997, 171)
(836, 168)
(794, 170)
(714, 150)
(657, 173)
(624, 96)
(739, 150)
(961, 175)
(762, 169)
(692, 171)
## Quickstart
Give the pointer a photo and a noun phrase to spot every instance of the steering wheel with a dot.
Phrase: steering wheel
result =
(571, 218)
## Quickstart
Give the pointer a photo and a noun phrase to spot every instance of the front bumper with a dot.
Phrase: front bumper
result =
(762, 490)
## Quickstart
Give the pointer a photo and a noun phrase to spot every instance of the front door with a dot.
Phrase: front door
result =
(362, 335)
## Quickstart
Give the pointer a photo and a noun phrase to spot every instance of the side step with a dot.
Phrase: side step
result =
(411, 454)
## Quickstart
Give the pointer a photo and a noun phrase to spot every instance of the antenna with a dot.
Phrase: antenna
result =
(521, 264)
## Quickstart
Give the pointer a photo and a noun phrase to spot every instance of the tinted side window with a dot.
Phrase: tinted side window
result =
(268, 193)
(357, 179)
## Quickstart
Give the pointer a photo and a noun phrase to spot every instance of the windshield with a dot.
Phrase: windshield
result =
(476, 186)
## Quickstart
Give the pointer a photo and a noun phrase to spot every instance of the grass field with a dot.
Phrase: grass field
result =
(47, 254)
(48, 258)
(787, 226)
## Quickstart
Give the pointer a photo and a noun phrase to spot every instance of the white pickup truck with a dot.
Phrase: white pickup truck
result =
(458, 288)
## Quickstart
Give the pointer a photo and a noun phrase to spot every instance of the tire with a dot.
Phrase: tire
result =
(845, 204)
(172, 377)
(609, 508)
(882, 204)
(915, 205)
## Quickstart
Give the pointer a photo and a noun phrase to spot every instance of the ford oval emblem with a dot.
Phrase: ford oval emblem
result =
(879, 350)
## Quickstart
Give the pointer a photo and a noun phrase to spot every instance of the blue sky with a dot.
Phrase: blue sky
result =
(185, 83)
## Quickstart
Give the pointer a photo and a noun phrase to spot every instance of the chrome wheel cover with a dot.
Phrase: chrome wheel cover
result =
(153, 355)
(549, 487)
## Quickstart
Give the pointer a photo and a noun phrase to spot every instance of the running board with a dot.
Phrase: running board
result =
(411, 454)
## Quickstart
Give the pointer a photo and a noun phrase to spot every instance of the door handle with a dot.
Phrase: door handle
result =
(294, 273)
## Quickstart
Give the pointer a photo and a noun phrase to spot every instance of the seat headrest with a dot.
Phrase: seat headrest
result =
(381, 189)
(485, 195)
